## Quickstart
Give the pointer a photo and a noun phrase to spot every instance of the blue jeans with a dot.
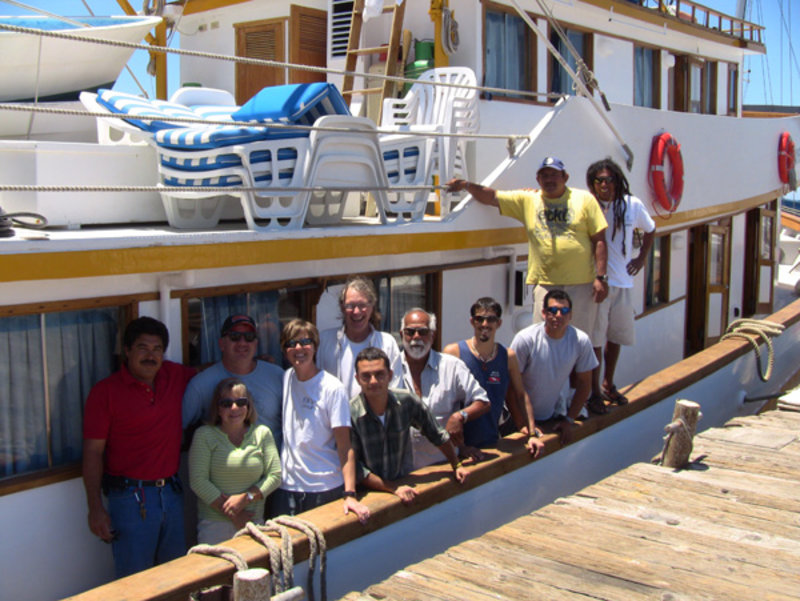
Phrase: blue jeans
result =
(142, 542)
(288, 502)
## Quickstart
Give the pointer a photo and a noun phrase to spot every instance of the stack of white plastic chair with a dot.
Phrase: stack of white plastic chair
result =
(430, 109)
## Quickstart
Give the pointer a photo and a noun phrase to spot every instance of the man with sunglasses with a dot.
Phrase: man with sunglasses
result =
(615, 319)
(238, 344)
(443, 383)
(566, 237)
(548, 353)
(497, 371)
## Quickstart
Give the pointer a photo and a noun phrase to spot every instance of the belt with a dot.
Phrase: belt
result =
(124, 482)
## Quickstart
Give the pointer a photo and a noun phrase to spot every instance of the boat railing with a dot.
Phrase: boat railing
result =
(694, 12)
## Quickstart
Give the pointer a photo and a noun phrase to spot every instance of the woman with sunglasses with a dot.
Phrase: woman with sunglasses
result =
(319, 465)
(233, 464)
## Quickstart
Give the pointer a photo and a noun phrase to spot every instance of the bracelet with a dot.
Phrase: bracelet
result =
(349, 493)
(458, 465)
(537, 433)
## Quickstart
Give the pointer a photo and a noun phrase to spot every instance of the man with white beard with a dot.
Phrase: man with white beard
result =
(443, 382)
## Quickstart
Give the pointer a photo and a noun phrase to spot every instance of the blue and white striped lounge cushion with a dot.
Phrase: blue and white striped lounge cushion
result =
(133, 108)
(225, 180)
(299, 103)
(209, 162)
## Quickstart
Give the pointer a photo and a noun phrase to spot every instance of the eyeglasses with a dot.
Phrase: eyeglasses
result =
(353, 306)
(607, 179)
(421, 331)
(557, 310)
(237, 336)
(301, 341)
(485, 319)
(228, 403)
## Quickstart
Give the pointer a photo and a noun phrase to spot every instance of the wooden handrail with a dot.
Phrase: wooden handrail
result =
(694, 12)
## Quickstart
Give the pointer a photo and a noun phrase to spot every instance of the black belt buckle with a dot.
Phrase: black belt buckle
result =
(161, 482)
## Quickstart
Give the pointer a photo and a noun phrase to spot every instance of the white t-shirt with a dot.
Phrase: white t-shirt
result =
(636, 216)
(311, 410)
(546, 364)
(447, 386)
(337, 355)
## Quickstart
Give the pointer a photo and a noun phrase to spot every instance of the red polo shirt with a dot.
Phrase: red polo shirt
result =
(141, 424)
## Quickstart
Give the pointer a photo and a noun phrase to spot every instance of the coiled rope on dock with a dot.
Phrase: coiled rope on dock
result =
(8, 220)
(751, 330)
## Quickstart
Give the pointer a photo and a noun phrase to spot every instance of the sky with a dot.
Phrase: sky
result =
(771, 79)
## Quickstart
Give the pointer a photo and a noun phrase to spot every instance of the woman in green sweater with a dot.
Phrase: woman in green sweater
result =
(233, 464)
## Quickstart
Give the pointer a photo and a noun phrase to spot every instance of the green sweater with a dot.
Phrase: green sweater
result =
(217, 467)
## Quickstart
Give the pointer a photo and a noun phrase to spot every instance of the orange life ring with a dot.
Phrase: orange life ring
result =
(786, 157)
(665, 146)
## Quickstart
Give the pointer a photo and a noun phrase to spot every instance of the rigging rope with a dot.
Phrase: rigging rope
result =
(7, 220)
(751, 329)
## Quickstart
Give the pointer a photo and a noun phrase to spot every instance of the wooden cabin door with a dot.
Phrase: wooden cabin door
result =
(263, 40)
(308, 43)
(759, 260)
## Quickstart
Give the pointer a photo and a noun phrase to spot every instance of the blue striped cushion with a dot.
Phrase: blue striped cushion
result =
(227, 180)
(300, 103)
(132, 106)
(391, 161)
(221, 161)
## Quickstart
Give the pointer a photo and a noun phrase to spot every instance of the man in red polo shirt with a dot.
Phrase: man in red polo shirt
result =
(131, 450)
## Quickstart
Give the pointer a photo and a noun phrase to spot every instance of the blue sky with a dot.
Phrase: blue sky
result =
(774, 79)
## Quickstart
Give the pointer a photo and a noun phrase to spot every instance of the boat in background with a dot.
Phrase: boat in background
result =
(41, 68)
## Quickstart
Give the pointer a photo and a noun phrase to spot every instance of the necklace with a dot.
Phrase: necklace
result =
(484, 360)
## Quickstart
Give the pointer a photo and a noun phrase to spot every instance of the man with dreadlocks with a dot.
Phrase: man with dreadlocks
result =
(614, 324)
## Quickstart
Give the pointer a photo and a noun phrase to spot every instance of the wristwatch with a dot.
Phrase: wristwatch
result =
(603, 278)
(250, 496)
(464, 415)
(349, 493)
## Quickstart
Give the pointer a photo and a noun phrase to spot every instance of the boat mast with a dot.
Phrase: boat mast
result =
(158, 58)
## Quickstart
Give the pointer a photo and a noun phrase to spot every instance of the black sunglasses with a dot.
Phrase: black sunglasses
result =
(301, 341)
(237, 336)
(485, 318)
(228, 403)
(421, 331)
(603, 180)
(557, 310)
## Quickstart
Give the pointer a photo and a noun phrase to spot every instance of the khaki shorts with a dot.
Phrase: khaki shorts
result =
(615, 318)
(584, 309)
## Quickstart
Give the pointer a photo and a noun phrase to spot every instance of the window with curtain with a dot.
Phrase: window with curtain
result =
(657, 273)
(53, 361)
(733, 90)
(509, 52)
(646, 77)
(561, 82)
(270, 309)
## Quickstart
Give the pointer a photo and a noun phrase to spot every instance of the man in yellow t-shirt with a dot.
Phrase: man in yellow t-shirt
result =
(566, 238)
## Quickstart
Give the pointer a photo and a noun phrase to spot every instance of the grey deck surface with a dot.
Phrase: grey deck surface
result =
(727, 528)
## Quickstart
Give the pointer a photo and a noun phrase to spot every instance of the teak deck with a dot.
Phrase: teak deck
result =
(728, 527)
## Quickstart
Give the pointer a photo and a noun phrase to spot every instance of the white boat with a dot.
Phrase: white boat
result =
(187, 257)
(58, 68)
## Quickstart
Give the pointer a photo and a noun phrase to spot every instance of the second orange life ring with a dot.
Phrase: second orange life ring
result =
(665, 146)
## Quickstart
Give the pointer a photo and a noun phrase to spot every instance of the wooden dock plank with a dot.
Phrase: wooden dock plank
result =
(728, 528)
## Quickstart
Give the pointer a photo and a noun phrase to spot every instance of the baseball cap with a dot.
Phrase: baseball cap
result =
(552, 163)
(237, 320)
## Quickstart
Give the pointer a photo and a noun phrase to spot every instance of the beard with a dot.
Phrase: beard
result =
(417, 349)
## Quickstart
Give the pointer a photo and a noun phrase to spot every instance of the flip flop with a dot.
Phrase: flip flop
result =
(615, 396)
(596, 405)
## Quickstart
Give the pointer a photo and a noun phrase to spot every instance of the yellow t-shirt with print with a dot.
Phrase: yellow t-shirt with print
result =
(559, 233)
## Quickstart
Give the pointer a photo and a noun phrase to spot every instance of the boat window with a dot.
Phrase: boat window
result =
(270, 309)
(509, 51)
(647, 73)
(733, 89)
(767, 244)
(560, 81)
(398, 294)
(53, 361)
(657, 273)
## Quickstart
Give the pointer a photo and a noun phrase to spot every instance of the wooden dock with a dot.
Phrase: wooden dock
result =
(728, 527)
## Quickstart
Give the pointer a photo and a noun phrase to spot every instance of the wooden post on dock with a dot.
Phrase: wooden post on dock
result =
(680, 432)
(251, 585)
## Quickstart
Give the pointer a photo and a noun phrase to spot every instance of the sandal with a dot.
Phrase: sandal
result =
(597, 405)
(615, 396)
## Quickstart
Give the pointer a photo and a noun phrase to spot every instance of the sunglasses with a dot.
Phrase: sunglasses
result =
(603, 180)
(353, 306)
(301, 341)
(557, 310)
(237, 336)
(485, 319)
(228, 403)
(421, 331)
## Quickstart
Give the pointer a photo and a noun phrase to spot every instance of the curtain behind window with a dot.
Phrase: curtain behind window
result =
(562, 82)
(507, 55)
(80, 351)
(644, 77)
